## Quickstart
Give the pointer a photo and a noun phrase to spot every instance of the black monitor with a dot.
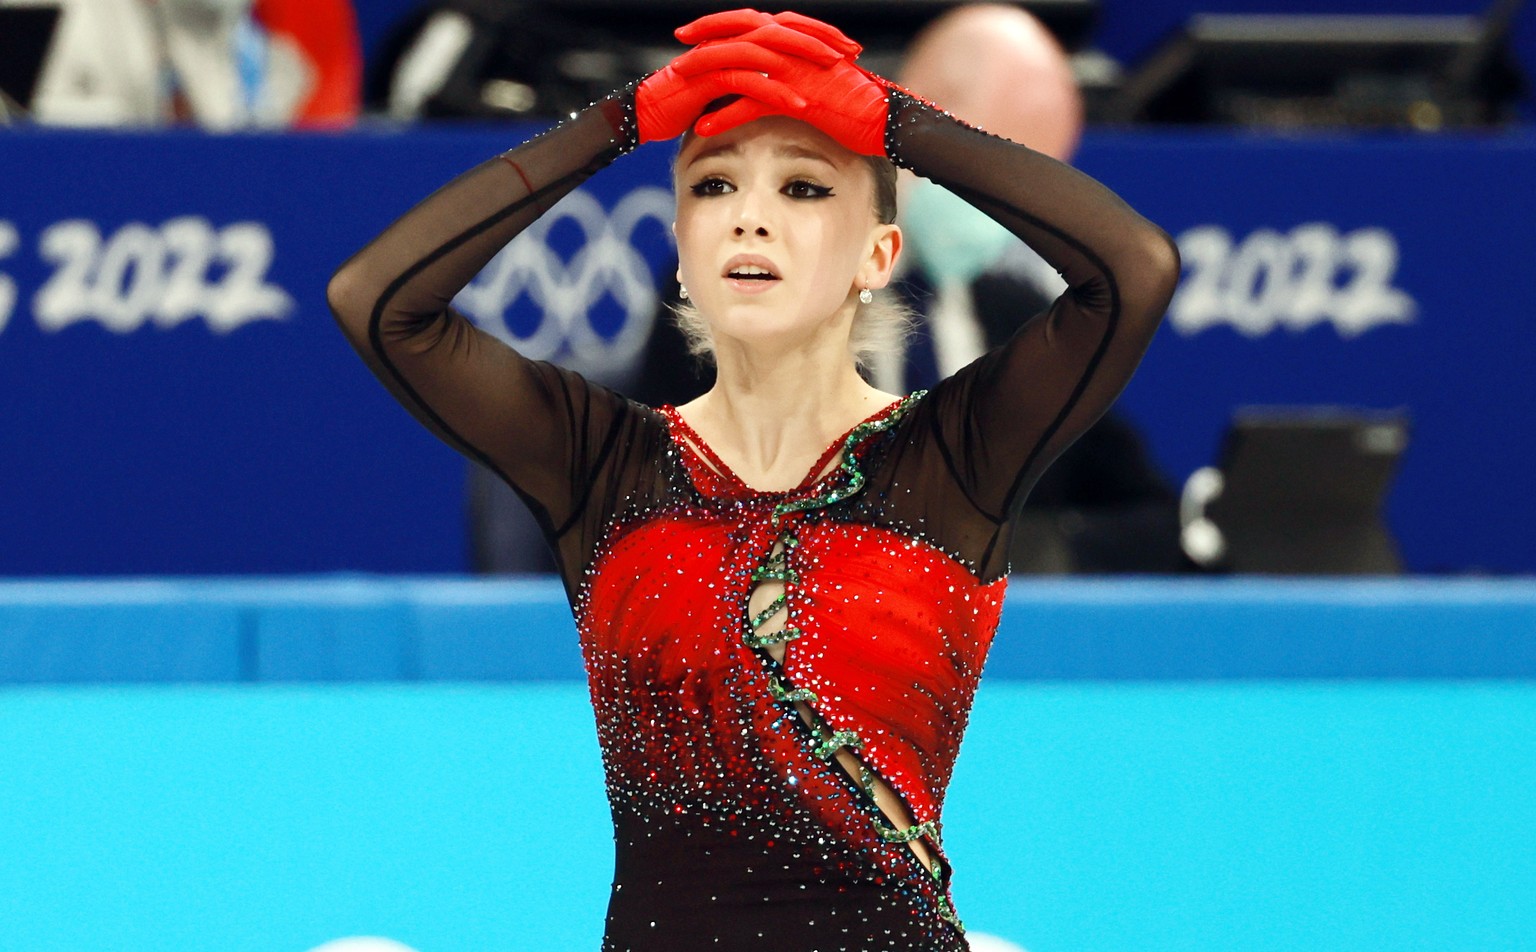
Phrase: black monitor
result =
(1302, 491)
(1297, 71)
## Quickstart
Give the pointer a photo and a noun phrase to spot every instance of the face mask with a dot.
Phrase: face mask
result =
(954, 242)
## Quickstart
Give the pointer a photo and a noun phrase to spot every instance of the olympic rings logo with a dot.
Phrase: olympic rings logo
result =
(572, 301)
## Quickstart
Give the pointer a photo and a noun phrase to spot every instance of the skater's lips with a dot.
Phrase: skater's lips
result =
(751, 267)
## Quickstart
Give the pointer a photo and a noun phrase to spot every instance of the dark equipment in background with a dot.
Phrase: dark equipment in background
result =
(494, 59)
(1102, 508)
(1297, 71)
(26, 33)
(1298, 492)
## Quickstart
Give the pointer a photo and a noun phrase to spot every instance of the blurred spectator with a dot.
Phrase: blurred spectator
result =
(215, 63)
(1103, 506)
(104, 68)
(997, 68)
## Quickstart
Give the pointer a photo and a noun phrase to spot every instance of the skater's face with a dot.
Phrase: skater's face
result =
(777, 232)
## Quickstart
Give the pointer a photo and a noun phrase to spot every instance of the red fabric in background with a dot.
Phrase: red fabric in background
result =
(326, 30)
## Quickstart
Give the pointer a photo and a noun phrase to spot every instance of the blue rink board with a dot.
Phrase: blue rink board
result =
(1084, 816)
(437, 629)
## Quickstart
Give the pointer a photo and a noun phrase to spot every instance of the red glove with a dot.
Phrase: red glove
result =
(845, 101)
(754, 26)
(667, 102)
(842, 100)
(738, 48)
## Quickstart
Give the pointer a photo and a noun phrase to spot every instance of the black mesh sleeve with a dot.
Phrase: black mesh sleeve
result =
(545, 430)
(1002, 419)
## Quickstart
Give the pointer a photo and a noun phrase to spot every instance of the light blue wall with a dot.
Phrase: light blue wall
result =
(1084, 817)
(1150, 766)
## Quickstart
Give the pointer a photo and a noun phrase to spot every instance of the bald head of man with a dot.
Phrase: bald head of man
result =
(996, 67)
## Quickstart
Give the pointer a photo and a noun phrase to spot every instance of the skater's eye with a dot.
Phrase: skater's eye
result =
(713, 185)
(804, 188)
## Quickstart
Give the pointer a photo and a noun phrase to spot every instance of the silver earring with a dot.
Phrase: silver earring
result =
(866, 295)
(682, 292)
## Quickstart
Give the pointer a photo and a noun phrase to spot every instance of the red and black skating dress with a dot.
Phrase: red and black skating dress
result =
(765, 667)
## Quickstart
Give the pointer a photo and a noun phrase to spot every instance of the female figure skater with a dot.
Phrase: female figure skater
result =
(785, 589)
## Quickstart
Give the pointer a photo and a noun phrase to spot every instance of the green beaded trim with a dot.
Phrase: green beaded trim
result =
(774, 572)
(828, 747)
(867, 780)
(789, 696)
(890, 834)
(940, 873)
(850, 462)
(946, 909)
(775, 567)
(761, 618)
(779, 637)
